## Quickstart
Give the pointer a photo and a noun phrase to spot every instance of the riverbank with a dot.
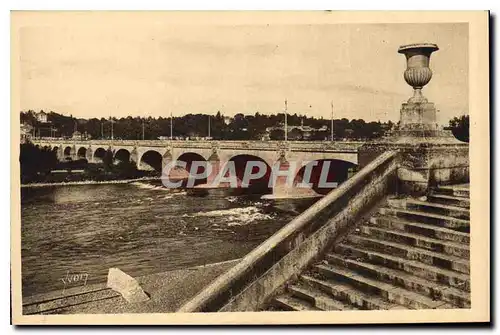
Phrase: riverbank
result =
(89, 182)
(167, 291)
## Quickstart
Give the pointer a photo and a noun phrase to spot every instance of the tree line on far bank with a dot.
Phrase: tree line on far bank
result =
(239, 127)
(459, 126)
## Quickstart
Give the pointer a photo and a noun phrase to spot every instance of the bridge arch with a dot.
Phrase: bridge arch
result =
(184, 173)
(151, 160)
(81, 153)
(241, 162)
(122, 155)
(68, 153)
(99, 154)
(337, 171)
(189, 158)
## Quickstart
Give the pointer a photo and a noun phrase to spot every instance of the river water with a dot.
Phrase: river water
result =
(139, 227)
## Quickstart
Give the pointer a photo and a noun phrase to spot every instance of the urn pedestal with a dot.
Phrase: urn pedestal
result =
(429, 155)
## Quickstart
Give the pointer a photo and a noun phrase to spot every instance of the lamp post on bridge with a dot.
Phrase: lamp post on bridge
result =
(143, 129)
(111, 121)
(209, 127)
(286, 121)
(331, 104)
(171, 126)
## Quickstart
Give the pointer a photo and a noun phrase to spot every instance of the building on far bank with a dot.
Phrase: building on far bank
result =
(227, 120)
(26, 132)
(77, 135)
(295, 132)
(41, 117)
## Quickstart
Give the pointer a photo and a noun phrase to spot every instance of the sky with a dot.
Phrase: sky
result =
(91, 66)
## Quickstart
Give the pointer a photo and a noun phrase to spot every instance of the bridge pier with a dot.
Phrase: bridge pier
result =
(134, 157)
(166, 158)
(284, 185)
(90, 154)
(60, 153)
(215, 169)
(213, 182)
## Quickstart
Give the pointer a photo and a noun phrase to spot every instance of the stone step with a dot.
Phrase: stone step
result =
(420, 229)
(420, 241)
(428, 272)
(430, 218)
(289, 303)
(449, 200)
(408, 281)
(457, 191)
(439, 209)
(387, 291)
(317, 298)
(349, 295)
(412, 253)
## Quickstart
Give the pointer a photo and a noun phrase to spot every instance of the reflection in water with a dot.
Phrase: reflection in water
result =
(140, 228)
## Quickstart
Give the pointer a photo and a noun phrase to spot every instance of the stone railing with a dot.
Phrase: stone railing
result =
(253, 280)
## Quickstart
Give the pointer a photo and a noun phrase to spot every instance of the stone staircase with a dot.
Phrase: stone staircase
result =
(411, 254)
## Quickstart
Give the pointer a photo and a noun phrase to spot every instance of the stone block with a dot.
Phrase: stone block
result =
(127, 286)
(418, 116)
(423, 161)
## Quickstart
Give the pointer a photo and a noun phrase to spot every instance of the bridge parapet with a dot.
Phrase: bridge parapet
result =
(344, 146)
(269, 151)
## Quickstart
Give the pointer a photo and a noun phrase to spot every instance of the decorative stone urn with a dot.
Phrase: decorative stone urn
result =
(428, 155)
(418, 74)
(418, 116)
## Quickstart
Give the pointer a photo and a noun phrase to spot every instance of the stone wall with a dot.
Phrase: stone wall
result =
(424, 161)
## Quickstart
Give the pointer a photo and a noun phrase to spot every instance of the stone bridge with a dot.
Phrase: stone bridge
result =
(156, 153)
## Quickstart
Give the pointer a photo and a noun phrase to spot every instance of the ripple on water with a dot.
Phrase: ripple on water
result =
(236, 216)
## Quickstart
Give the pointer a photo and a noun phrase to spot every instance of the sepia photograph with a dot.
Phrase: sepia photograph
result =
(312, 167)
